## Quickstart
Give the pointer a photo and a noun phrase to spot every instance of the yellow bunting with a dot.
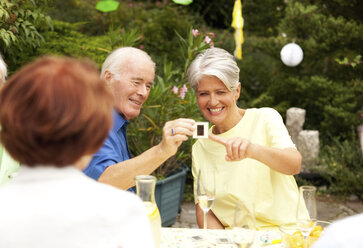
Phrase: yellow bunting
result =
(237, 24)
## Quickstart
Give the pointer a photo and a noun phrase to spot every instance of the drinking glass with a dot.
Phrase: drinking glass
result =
(244, 226)
(206, 192)
(306, 211)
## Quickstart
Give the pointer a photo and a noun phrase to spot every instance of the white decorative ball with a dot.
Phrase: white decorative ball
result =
(291, 54)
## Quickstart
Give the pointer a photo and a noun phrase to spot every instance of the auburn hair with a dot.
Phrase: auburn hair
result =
(53, 111)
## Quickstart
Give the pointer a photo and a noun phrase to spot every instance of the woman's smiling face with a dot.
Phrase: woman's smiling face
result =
(217, 104)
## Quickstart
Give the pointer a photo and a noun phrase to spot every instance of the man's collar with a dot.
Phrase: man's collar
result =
(118, 120)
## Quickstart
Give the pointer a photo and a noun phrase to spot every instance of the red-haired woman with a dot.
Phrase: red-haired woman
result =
(55, 113)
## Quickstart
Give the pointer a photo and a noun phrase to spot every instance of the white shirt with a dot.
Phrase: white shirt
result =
(345, 233)
(51, 207)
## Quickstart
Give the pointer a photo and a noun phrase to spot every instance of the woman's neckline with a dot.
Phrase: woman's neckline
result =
(241, 112)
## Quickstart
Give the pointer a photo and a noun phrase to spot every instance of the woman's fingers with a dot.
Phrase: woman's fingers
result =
(217, 139)
(235, 147)
(243, 149)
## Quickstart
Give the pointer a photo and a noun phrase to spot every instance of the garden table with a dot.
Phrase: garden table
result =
(183, 238)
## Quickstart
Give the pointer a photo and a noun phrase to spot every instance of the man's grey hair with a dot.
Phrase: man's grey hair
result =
(3, 69)
(117, 59)
(214, 62)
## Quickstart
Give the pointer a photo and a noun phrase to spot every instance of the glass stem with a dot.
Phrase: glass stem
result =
(205, 220)
(306, 241)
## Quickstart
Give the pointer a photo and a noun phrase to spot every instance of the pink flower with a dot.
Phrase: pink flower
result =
(212, 35)
(183, 91)
(141, 47)
(175, 90)
(211, 44)
(182, 95)
(195, 32)
(207, 39)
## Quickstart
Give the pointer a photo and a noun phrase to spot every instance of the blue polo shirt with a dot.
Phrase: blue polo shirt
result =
(114, 149)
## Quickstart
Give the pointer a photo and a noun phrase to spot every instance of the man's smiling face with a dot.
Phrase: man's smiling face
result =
(131, 87)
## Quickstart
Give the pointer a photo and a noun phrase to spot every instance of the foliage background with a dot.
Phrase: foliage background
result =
(328, 83)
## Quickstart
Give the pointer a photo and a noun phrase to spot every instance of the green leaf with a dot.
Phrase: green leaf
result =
(183, 2)
(34, 15)
(49, 22)
(13, 37)
(151, 121)
(4, 13)
(26, 30)
(20, 12)
(6, 38)
(107, 5)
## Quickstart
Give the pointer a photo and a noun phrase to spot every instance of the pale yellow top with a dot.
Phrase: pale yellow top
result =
(272, 195)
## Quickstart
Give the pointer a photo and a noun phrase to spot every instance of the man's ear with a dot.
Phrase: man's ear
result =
(107, 76)
(238, 91)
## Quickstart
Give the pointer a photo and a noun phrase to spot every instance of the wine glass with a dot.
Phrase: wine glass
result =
(244, 226)
(306, 211)
(206, 192)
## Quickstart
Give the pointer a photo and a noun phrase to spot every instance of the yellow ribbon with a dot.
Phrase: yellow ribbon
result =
(237, 24)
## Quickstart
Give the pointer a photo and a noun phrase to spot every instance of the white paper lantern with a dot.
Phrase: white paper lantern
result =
(291, 54)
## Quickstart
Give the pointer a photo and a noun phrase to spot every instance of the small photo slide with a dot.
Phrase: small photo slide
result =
(201, 130)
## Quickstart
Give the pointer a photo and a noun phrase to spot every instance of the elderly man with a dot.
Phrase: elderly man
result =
(8, 167)
(129, 74)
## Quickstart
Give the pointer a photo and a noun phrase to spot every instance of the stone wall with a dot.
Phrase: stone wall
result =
(306, 141)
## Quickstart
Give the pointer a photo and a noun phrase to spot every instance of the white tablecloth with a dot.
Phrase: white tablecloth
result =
(183, 238)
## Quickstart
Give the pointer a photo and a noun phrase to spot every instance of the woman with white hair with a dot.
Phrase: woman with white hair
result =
(249, 150)
(8, 167)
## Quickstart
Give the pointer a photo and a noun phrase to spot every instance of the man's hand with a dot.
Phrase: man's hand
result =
(174, 133)
(236, 147)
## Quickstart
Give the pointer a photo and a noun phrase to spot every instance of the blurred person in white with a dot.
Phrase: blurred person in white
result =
(344, 233)
(55, 113)
(8, 166)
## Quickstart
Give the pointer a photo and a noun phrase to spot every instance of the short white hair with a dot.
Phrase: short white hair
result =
(214, 62)
(120, 56)
(3, 69)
